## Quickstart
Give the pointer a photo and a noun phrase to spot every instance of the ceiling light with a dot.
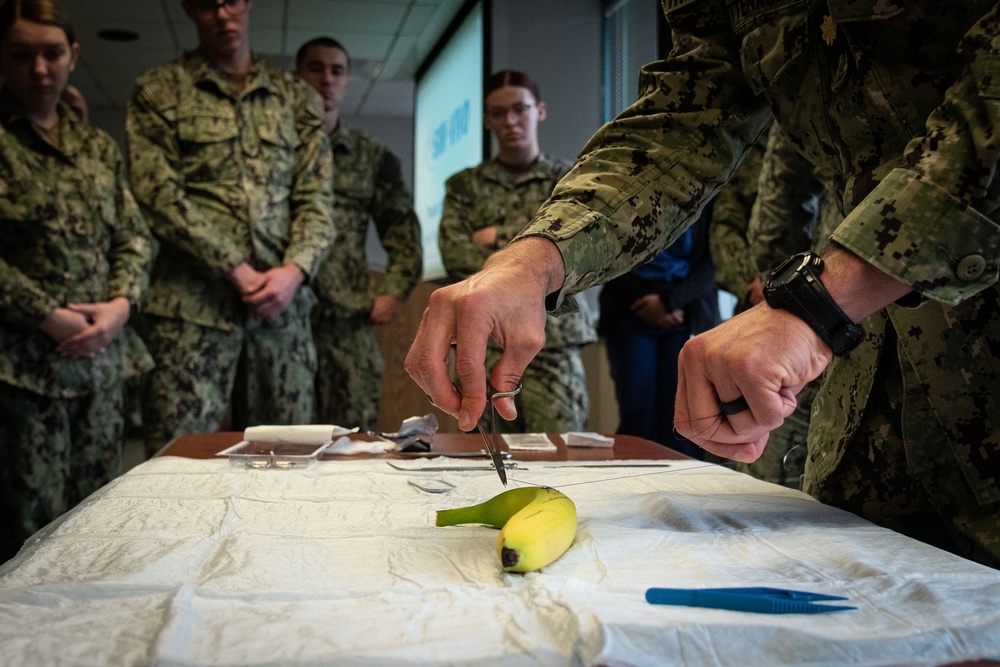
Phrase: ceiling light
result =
(118, 35)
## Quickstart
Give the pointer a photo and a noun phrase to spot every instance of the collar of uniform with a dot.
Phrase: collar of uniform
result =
(493, 170)
(204, 72)
(342, 139)
(70, 130)
(10, 110)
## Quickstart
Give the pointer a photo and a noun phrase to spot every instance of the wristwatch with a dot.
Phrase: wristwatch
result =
(795, 286)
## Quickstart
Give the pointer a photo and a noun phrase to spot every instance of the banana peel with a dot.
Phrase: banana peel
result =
(537, 525)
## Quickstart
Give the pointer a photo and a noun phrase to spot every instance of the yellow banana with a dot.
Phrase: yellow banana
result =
(537, 525)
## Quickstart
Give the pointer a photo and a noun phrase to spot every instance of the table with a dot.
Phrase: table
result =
(186, 561)
(207, 445)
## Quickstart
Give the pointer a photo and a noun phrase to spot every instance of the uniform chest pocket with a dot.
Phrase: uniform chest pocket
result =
(275, 153)
(32, 229)
(349, 183)
(207, 144)
(775, 42)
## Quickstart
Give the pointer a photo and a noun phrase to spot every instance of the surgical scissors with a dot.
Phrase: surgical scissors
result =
(492, 440)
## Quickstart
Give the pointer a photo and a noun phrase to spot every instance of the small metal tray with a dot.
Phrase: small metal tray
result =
(278, 455)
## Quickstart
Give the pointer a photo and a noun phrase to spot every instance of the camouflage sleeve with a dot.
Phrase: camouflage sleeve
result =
(158, 186)
(644, 177)
(131, 252)
(398, 228)
(925, 224)
(727, 233)
(460, 256)
(23, 302)
(781, 223)
(311, 233)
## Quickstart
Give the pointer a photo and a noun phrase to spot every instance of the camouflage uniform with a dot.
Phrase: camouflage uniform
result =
(727, 232)
(225, 178)
(72, 234)
(367, 184)
(554, 396)
(794, 211)
(900, 104)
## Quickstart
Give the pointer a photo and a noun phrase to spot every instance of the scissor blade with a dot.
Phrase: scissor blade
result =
(494, 451)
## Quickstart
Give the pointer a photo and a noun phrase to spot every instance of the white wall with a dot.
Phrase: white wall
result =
(558, 43)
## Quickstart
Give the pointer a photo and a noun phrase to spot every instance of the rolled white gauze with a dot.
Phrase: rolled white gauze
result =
(305, 434)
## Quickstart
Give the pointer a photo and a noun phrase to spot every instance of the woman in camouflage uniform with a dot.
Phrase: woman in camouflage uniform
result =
(484, 208)
(74, 259)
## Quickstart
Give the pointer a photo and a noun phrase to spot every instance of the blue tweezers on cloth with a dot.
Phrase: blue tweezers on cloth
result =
(759, 600)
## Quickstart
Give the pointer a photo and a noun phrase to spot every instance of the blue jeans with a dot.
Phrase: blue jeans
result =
(643, 364)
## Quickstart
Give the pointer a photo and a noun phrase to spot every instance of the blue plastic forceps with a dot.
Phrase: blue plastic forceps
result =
(759, 600)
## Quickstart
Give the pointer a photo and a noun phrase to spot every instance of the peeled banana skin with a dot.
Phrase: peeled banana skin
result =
(537, 525)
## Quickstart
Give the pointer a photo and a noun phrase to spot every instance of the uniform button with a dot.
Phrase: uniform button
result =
(971, 267)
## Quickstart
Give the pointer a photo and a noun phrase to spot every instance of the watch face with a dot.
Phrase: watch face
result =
(789, 269)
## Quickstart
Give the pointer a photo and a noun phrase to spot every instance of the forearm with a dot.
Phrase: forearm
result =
(859, 288)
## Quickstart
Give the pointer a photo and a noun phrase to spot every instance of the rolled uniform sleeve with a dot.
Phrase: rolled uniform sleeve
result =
(644, 177)
(925, 224)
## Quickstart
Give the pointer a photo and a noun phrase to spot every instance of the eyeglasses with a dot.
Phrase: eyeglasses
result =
(209, 8)
(500, 113)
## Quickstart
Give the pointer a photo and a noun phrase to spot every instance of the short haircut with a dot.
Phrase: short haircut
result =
(46, 12)
(328, 42)
(510, 77)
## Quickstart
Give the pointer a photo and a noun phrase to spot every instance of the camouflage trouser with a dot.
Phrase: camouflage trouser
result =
(264, 374)
(55, 453)
(553, 396)
(874, 480)
(784, 458)
(349, 372)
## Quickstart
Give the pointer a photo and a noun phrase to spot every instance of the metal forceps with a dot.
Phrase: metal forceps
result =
(492, 440)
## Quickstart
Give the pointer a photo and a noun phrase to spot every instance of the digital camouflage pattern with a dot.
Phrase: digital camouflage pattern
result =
(202, 371)
(901, 103)
(228, 177)
(489, 195)
(553, 396)
(72, 233)
(794, 211)
(367, 185)
(727, 232)
(56, 452)
(349, 371)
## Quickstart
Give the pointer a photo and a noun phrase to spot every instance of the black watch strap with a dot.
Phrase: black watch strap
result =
(795, 286)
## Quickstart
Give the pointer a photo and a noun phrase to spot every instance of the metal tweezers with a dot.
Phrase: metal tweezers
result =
(759, 600)
(492, 440)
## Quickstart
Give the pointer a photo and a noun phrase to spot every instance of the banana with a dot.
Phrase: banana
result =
(537, 525)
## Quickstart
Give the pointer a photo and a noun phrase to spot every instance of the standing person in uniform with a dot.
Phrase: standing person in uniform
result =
(230, 162)
(367, 185)
(647, 315)
(74, 259)
(901, 104)
(484, 208)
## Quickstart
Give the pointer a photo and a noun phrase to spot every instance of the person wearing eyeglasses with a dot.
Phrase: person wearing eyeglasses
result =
(367, 185)
(230, 163)
(901, 312)
(484, 208)
(75, 256)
